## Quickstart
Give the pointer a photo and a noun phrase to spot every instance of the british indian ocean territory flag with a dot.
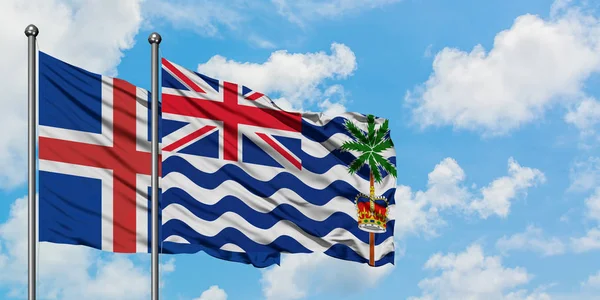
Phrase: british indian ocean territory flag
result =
(245, 181)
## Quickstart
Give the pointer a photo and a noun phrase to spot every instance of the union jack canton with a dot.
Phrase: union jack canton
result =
(223, 113)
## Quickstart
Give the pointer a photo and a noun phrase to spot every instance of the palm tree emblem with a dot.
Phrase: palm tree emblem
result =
(370, 146)
(372, 211)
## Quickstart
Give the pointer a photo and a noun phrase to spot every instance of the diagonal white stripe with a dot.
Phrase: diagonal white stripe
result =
(278, 157)
(210, 93)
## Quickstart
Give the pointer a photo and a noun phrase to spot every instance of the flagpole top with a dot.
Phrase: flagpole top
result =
(31, 30)
(154, 38)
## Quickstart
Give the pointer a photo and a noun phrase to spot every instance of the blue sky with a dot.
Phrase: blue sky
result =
(493, 114)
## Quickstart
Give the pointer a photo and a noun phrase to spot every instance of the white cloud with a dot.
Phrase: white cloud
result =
(212, 18)
(419, 212)
(415, 214)
(497, 196)
(168, 266)
(559, 6)
(300, 12)
(532, 66)
(589, 242)
(592, 203)
(117, 278)
(585, 175)
(334, 101)
(525, 295)
(446, 190)
(533, 240)
(213, 293)
(332, 109)
(261, 42)
(75, 31)
(472, 275)
(428, 51)
(201, 16)
(593, 282)
(90, 275)
(585, 116)
(299, 87)
(301, 275)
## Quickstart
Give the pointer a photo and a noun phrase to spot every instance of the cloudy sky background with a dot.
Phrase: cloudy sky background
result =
(494, 112)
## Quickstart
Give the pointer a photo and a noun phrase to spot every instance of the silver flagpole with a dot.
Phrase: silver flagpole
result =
(31, 32)
(154, 40)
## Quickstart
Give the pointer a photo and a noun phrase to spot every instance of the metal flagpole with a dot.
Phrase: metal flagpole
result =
(31, 32)
(154, 40)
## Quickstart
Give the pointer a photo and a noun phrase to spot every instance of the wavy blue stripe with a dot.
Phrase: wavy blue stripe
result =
(344, 252)
(257, 259)
(256, 254)
(258, 187)
(323, 133)
(260, 255)
(267, 220)
(334, 158)
(324, 164)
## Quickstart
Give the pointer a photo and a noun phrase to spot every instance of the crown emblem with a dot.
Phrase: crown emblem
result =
(372, 213)
(369, 148)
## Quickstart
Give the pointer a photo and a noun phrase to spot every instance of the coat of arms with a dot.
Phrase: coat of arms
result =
(372, 211)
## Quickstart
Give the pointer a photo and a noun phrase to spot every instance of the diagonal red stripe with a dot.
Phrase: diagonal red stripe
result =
(232, 114)
(254, 96)
(281, 151)
(189, 137)
(182, 77)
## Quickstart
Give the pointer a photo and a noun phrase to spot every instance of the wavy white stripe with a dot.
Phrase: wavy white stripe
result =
(178, 239)
(227, 247)
(320, 150)
(266, 173)
(319, 119)
(261, 204)
(232, 248)
(267, 236)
